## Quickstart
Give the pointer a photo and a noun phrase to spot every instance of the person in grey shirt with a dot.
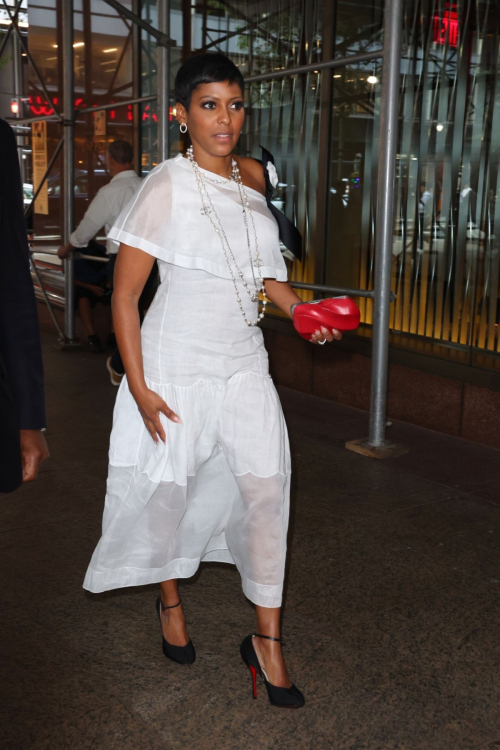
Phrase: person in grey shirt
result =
(102, 212)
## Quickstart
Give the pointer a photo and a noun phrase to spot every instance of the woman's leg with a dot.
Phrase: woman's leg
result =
(173, 623)
(269, 652)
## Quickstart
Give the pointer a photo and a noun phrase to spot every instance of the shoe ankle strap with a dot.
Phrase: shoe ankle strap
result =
(268, 637)
(172, 606)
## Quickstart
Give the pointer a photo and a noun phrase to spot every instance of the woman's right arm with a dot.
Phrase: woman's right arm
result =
(132, 269)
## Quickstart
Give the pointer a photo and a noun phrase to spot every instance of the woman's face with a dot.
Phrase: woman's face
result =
(215, 117)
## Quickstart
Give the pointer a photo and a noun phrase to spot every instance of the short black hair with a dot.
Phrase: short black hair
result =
(210, 67)
(121, 151)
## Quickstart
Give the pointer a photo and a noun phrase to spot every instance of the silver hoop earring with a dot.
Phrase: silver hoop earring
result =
(183, 128)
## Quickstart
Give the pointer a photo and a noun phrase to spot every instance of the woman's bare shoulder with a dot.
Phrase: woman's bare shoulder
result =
(252, 173)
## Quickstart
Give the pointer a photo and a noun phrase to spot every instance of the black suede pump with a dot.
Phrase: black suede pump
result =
(180, 654)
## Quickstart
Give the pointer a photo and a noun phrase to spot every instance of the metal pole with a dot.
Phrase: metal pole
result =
(69, 145)
(163, 82)
(28, 120)
(26, 51)
(332, 289)
(337, 62)
(47, 172)
(18, 92)
(389, 106)
(136, 88)
(46, 299)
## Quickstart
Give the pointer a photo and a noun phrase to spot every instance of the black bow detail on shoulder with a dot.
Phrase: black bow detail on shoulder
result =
(288, 232)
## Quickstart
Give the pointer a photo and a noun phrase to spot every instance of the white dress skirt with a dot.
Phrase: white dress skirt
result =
(218, 489)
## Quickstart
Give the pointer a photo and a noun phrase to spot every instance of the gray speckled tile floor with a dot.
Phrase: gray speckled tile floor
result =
(391, 610)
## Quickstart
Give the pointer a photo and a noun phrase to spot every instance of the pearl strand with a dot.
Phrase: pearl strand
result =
(209, 211)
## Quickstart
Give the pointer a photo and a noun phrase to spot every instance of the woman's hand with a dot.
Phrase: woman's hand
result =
(325, 334)
(34, 452)
(150, 406)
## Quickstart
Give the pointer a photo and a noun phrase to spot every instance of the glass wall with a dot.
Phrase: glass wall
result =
(324, 130)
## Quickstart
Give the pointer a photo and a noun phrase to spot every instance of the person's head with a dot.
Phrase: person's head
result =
(209, 96)
(119, 157)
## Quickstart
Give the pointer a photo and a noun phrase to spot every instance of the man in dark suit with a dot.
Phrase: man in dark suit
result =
(22, 400)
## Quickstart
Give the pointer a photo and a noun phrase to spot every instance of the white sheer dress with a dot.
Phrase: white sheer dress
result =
(218, 490)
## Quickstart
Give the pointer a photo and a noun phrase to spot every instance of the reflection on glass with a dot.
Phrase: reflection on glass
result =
(284, 117)
(260, 36)
(447, 214)
(353, 172)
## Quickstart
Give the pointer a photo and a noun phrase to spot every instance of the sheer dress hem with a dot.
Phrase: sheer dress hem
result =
(99, 581)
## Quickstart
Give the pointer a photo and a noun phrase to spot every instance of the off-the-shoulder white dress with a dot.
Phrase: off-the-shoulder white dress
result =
(218, 490)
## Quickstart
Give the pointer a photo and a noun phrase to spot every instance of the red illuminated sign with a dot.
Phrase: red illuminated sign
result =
(41, 107)
(446, 26)
(149, 114)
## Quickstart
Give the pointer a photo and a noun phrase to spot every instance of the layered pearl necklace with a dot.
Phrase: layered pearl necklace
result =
(209, 211)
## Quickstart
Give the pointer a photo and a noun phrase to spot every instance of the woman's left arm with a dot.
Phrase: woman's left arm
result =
(283, 296)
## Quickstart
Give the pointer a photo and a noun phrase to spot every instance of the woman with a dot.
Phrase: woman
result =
(199, 465)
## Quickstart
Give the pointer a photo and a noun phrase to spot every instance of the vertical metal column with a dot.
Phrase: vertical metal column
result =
(18, 93)
(68, 181)
(163, 81)
(393, 20)
(136, 86)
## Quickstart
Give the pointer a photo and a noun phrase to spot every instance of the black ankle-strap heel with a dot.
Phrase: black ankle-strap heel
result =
(278, 696)
(180, 654)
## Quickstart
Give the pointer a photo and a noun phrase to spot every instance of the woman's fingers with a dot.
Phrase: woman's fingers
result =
(159, 428)
(151, 407)
(155, 428)
(325, 334)
(167, 411)
(150, 427)
(154, 425)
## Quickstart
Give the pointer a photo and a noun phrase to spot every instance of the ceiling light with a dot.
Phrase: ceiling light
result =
(338, 75)
(372, 79)
(79, 44)
(439, 126)
(111, 49)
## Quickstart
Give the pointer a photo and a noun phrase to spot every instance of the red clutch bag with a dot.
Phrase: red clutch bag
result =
(341, 313)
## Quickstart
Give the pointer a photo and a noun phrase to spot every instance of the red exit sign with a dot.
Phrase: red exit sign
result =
(446, 26)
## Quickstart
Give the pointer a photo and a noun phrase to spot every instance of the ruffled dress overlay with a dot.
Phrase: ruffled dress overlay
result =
(218, 489)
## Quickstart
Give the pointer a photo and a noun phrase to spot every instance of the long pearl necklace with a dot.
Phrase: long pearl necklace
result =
(209, 211)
